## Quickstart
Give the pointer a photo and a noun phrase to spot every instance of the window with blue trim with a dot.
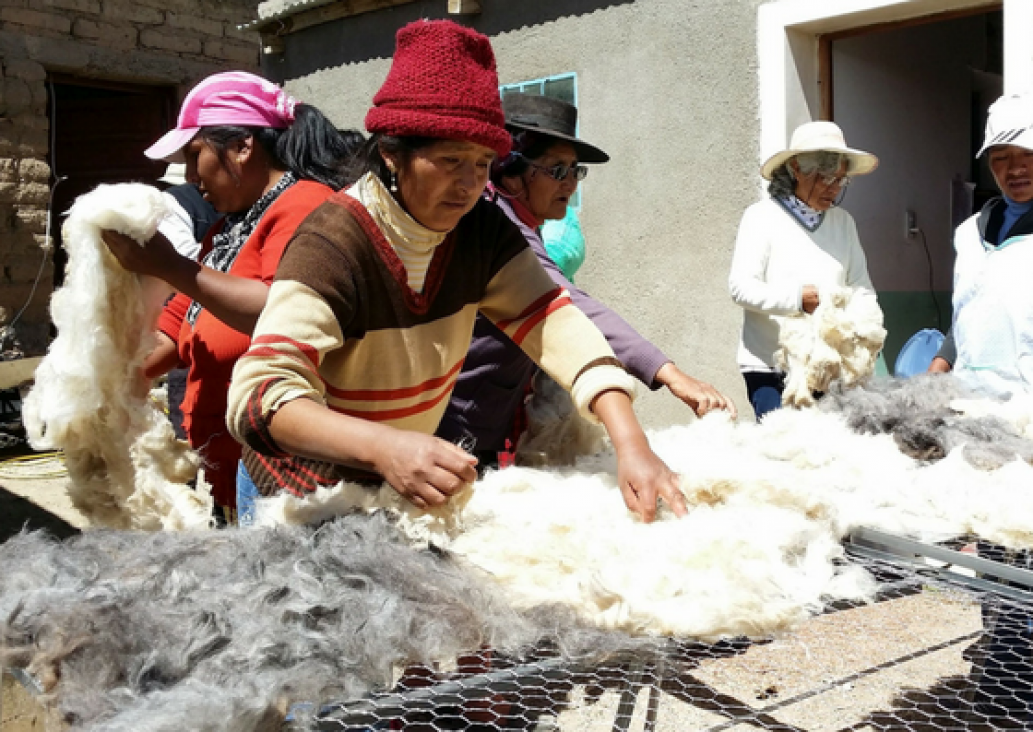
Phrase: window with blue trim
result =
(560, 86)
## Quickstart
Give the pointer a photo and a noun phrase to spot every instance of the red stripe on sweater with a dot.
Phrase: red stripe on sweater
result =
(306, 350)
(536, 305)
(401, 393)
(538, 317)
(401, 413)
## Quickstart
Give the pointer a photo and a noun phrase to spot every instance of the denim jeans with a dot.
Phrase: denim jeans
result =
(764, 390)
(247, 494)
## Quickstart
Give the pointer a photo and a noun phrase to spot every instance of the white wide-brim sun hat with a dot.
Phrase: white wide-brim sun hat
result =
(821, 137)
(1009, 122)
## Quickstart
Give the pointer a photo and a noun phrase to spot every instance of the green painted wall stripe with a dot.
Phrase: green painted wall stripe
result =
(906, 313)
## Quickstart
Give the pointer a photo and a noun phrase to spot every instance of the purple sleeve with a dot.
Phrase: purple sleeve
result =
(640, 357)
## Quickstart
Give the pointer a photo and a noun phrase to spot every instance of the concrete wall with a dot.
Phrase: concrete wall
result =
(171, 42)
(669, 89)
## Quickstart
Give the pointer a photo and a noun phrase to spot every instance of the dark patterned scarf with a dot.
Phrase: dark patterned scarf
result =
(227, 244)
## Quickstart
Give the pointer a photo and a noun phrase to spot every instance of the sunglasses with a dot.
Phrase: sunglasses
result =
(561, 171)
(835, 180)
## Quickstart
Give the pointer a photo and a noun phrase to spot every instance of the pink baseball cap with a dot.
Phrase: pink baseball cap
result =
(229, 98)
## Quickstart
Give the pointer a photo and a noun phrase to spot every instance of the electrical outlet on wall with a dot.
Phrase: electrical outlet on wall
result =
(910, 224)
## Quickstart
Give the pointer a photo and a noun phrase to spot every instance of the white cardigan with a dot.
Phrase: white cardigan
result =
(774, 258)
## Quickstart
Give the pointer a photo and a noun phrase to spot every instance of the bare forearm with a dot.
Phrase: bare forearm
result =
(162, 358)
(422, 468)
(307, 429)
(614, 410)
(235, 301)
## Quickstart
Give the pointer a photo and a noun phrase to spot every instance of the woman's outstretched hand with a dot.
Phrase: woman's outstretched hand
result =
(700, 396)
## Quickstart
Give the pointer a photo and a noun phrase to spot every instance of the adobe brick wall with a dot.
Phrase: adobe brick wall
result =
(170, 42)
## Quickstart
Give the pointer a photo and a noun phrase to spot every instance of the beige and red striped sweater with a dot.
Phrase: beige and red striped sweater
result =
(342, 327)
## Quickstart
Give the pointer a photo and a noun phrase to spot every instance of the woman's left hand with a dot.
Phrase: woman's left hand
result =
(700, 396)
(644, 479)
(157, 258)
(642, 476)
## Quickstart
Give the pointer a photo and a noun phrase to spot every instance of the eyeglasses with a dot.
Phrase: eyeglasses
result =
(834, 180)
(561, 171)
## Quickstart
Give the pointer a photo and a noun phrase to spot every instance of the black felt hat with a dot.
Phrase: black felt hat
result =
(551, 117)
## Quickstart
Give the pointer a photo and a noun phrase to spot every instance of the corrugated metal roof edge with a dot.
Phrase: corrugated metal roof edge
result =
(281, 9)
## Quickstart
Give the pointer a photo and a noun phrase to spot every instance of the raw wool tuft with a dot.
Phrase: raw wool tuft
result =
(932, 415)
(434, 525)
(90, 399)
(223, 631)
(839, 342)
(556, 432)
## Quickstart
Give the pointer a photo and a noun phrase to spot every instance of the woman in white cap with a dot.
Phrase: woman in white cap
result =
(793, 243)
(990, 346)
(991, 339)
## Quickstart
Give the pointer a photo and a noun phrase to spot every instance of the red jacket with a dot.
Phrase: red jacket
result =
(210, 348)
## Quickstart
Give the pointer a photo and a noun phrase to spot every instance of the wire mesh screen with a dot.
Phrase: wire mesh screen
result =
(941, 649)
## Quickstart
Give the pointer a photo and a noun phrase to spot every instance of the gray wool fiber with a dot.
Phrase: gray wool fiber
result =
(917, 413)
(224, 630)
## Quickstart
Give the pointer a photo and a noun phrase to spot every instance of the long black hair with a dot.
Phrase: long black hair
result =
(311, 148)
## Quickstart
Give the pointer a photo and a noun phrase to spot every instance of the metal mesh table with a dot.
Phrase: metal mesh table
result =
(947, 646)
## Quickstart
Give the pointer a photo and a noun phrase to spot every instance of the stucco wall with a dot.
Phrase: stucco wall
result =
(669, 89)
(170, 42)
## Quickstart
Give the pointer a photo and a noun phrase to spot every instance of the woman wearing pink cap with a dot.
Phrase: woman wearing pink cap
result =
(266, 162)
(372, 311)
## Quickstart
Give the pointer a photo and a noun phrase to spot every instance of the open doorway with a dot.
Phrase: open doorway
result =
(915, 93)
(99, 131)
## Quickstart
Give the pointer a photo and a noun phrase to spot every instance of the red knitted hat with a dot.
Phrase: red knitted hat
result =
(442, 84)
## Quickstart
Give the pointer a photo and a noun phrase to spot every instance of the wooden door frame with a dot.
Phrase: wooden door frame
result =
(825, 41)
(790, 66)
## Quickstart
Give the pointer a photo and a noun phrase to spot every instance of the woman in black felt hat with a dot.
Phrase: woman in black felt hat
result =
(534, 183)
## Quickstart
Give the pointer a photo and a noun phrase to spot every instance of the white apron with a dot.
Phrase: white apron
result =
(993, 311)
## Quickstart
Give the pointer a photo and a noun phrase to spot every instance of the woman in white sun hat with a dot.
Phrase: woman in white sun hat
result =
(991, 338)
(793, 243)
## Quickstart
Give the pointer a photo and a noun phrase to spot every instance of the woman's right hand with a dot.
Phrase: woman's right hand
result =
(157, 258)
(809, 300)
(424, 469)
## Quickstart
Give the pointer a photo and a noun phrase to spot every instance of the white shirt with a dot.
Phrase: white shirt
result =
(775, 256)
(178, 228)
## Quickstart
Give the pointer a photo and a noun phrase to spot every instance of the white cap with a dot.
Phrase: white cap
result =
(175, 174)
(1009, 122)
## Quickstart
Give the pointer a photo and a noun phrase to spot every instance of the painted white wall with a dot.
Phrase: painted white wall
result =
(787, 50)
(905, 95)
(668, 89)
(1018, 46)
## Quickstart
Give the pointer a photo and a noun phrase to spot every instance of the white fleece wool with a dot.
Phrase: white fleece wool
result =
(839, 341)
(90, 398)
(556, 432)
(759, 551)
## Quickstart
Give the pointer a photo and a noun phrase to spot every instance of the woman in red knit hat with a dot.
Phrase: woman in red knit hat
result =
(371, 314)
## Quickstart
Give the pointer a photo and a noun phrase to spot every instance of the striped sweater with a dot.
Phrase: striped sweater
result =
(342, 327)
